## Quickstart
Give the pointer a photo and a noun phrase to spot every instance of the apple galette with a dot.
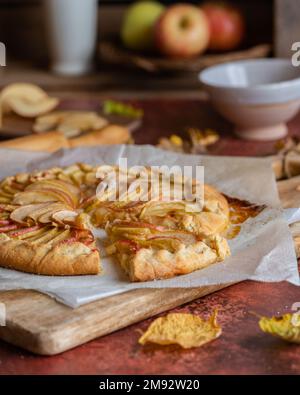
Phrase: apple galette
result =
(46, 219)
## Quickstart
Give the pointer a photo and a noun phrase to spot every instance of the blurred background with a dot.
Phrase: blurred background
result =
(83, 53)
(271, 26)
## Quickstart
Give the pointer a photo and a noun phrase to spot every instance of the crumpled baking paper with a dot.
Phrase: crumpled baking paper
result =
(263, 250)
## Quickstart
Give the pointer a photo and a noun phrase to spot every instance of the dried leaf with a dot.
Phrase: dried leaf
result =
(187, 330)
(203, 137)
(284, 145)
(176, 140)
(167, 144)
(287, 327)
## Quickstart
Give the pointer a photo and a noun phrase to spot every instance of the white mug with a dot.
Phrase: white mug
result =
(72, 33)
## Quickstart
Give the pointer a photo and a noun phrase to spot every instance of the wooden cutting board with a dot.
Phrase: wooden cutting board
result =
(40, 324)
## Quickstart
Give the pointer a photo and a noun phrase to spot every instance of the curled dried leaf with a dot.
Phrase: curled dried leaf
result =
(284, 145)
(186, 330)
(170, 145)
(203, 137)
(176, 140)
(287, 327)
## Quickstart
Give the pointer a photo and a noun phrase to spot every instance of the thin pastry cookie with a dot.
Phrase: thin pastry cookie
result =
(147, 252)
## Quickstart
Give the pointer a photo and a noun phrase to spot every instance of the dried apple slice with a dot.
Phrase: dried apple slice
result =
(26, 100)
(29, 109)
(71, 123)
(22, 90)
(6, 194)
(47, 122)
(32, 234)
(83, 121)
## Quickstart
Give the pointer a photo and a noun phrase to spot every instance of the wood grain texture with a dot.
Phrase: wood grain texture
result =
(40, 324)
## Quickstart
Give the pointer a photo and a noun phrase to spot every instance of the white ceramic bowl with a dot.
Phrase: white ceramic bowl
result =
(259, 96)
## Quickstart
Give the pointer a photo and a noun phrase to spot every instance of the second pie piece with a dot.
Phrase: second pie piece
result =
(147, 252)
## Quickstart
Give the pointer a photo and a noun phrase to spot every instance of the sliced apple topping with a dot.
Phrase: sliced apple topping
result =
(84, 236)
(7, 208)
(45, 208)
(4, 199)
(22, 178)
(25, 198)
(124, 246)
(61, 236)
(33, 233)
(77, 177)
(49, 236)
(7, 228)
(149, 236)
(86, 167)
(65, 217)
(47, 216)
(23, 233)
(23, 213)
(38, 235)
(58, 189)
(48, 191)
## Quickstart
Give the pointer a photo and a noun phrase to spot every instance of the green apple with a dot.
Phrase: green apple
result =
(138, 25)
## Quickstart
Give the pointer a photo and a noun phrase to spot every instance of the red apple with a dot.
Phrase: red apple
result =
(182, 31)
(227, 26)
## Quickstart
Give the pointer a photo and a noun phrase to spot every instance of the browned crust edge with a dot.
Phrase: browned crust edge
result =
(49, 260)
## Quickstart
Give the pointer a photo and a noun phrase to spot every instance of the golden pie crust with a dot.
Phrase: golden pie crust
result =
(46, 216)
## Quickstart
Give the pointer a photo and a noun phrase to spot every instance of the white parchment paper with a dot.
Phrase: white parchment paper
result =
(262, 251)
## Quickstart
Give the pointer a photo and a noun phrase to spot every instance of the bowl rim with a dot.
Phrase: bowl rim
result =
(264, 86)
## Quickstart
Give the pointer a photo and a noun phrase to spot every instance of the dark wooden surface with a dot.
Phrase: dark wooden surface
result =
(242, 348)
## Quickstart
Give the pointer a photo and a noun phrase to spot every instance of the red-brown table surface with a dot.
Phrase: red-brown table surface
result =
(242, 348)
